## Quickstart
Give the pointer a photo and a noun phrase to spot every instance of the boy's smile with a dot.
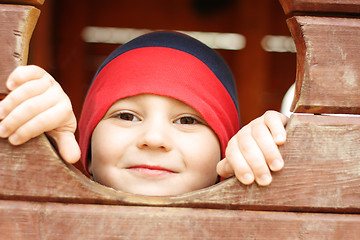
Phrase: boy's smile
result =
(148, 170)
(154, 145)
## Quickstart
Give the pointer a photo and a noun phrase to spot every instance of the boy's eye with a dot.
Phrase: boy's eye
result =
(127, 116)
(187, 120)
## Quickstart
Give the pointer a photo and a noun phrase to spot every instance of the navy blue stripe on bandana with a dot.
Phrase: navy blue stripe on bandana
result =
(186, 44)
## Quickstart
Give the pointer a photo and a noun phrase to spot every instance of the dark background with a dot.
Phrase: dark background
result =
(262, 77)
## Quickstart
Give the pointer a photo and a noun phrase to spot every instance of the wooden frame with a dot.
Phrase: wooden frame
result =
(317, 195)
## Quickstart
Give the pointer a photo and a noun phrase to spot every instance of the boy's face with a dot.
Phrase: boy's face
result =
(154, 145)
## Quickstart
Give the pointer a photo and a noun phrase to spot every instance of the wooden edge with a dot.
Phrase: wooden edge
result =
(297, 36)
(34, 172)
(16, 31)
(320, 6)
(31, 21)
(27, 2)
(327, 64)
(29, 220)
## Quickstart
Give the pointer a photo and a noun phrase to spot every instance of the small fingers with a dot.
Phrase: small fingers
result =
(254, 157)
(275, 122)
(267, 146)
(29, 110)
(24, 74)
(224, 169)
(41, 123)
(67, 145)
(25, 92)
(235, 163)
(37, 104)
(254, 151)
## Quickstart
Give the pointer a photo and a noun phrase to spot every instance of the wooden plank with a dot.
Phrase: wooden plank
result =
(27, 220)
(318, 6)
(27, 2)
(322, 170)
(320, 175)
(16, 26)
(35, 172)
(328, 74)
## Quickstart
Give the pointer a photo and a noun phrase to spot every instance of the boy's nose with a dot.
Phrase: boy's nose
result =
(154, 136)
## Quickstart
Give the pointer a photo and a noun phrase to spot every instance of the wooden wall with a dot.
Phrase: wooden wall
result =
(316, 196)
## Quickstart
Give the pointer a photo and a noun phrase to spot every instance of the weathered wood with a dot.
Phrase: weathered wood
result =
(320, 175)
(328, 76)
(27, 2)
(16, 26)
(27, 220)
(318, 6)
(43, 198)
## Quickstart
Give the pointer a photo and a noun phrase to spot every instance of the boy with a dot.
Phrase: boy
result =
(157, 119)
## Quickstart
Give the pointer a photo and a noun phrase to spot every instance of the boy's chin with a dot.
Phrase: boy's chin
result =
(155, 190)
(170, 184)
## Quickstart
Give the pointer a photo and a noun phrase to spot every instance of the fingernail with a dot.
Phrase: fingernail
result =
(277, 164)
(265, 180)
(14, 139)
(247, 178)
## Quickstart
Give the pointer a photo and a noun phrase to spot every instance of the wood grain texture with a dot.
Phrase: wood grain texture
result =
(43, 198)
(16, 26)
(28, 220)
(328, 71)
(321, 175)
(320, 6)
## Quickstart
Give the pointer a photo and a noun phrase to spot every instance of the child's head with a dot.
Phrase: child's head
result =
(158, 116)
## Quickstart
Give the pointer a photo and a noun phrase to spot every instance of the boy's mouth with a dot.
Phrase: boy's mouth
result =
(151, 170)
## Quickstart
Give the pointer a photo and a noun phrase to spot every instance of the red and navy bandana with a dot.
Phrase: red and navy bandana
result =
(167, 64)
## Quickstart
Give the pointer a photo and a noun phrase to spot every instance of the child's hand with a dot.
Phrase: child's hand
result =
(37, 104)
(253, 151)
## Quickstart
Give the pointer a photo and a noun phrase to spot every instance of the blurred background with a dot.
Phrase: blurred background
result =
(72, 38)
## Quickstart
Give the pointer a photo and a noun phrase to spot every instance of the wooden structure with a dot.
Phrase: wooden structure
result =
(316, 196)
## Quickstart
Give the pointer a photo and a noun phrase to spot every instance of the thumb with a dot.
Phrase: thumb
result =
(67, 146)
(224, 169)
